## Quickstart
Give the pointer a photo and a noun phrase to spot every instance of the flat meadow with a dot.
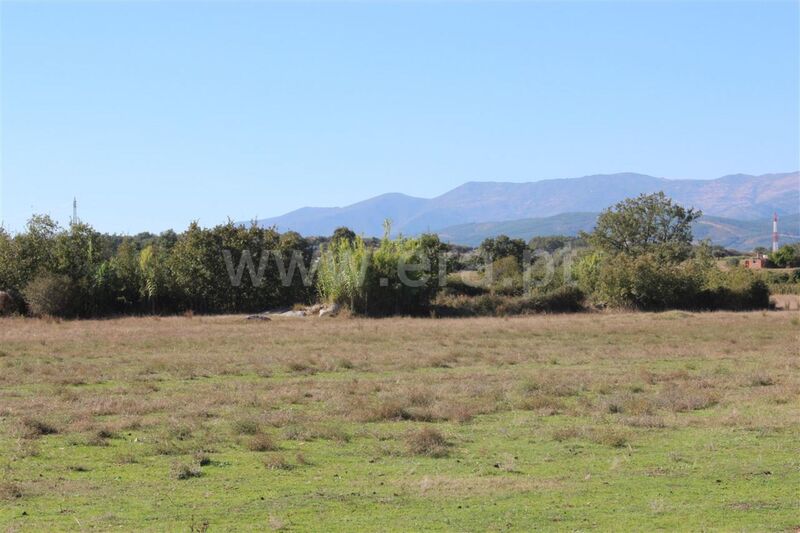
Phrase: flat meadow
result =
(594, 421)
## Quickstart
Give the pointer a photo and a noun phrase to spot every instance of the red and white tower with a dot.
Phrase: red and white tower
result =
(775, 232)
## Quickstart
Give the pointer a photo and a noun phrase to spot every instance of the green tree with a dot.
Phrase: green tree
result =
(343, 232)
(35, 248)
(9, 263)
(786, 256)
(80, 253)
(126, 275)
(503, 246)
(650, 223)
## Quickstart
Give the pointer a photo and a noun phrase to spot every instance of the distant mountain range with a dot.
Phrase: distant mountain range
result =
(734, 206)
(741, 235)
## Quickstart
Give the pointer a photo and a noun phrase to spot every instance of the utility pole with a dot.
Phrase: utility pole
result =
(75, 219)
(774, 232)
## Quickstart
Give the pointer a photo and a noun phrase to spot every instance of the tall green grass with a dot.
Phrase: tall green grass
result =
(342, 271)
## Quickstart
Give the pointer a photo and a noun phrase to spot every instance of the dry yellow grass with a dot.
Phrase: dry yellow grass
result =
(406, 369)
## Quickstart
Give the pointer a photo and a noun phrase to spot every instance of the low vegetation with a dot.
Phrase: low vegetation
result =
(626, 421)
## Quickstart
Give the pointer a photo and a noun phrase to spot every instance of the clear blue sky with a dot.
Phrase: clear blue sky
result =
(157, 113)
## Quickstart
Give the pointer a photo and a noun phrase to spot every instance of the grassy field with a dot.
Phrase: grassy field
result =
(575, 422)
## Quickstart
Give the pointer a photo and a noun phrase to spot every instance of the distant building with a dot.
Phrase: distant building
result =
(759, 261)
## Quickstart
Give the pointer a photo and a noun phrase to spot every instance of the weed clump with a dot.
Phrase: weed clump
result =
(202, 458)
(185, 471)
(246, 426)
(10, 491)
(309, 433)
(277, 462)
(261, 443)
(301, 367)
(568, 433)
(385, 411)
(761, 380)
(100, 437)
(428, 442)
(610, 436)
(301, 459)
(127, 459)
(33, 428)
(682, 399)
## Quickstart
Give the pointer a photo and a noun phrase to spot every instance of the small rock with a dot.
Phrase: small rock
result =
(330, 310)
(294, 313)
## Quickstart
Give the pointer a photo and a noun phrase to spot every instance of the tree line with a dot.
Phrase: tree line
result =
(79, 272)
(639, 255)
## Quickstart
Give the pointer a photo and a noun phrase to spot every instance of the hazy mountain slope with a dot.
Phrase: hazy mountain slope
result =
(483, 201)
(737, 234)
(563, 224)
(741, 196)
(745, 235)
(737, 196)
(364, 217)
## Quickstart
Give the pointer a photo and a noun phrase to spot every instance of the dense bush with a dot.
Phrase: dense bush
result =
(562, 300)
(738, 289)
(787, 256)
(505, 276)
(458, 284)
(51, 295)
(784, 282)
(648, 283)
(643, 282)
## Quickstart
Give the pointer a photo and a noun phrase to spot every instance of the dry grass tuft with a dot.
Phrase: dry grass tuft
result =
(306, 433)
(126, 459)
(615, 437)
(761, 379)
(277, 462)
(185, 471)
(427, 441)
(97, 439)
(261, 443)
(33, 428)
(179, 431)
(167, 447)
(106, 433)
(566, 433)
(302, 367)
(539, 401)
(610, 436)
(684, 398)
(386, 410)
(246, 426)
(276, 524)
(10, 491)
(301, 459)
(201, 458)
(644, 421)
